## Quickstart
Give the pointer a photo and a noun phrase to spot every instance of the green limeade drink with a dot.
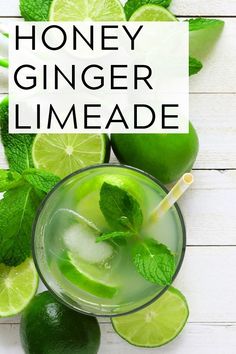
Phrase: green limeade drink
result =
(100, 278)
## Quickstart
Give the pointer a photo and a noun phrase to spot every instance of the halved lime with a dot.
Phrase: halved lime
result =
(86, 10)
(156, 324)
(152, 13)
(63, 154)
(18, 285)
(86, 276)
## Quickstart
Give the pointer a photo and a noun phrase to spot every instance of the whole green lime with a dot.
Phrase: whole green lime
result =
(165, 156)
(48, 327)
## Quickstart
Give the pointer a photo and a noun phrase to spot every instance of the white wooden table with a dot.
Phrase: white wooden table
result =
(208, 275)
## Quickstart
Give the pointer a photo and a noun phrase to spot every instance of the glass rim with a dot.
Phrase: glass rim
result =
(77, 172)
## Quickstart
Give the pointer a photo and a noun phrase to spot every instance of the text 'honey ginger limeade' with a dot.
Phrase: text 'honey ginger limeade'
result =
(96, 246)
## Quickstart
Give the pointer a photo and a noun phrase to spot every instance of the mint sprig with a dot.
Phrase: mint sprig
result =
(35, 10)
(24, 188)
(154, 262)
(17, 208)
(9, 180)
(114, 234)
(194, 66)
(196, 24)
(23, 194)
(120, 209)
(17, 146)
(39, 179)
(4, 63)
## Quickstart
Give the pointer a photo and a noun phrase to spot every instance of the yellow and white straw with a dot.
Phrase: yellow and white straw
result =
(175, 193)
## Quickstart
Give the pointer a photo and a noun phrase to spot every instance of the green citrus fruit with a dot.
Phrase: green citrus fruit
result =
(165, 156)
(48, 327)
(86, 10)
(63, 154)
(87, 277)
(151, 12)
(18, 286)
(157, 324)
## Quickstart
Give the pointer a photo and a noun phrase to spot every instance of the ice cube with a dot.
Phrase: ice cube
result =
(81, 240)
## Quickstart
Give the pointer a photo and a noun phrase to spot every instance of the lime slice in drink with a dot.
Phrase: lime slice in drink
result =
(152, 13)
(63, 154)
(18, 285)
(156, 324)
(86, 276)
(86, 10)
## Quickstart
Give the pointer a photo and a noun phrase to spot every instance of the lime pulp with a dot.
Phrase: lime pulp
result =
(63, 154)
(152, 13)
(18, 285)
(156, 324)
(86, 10)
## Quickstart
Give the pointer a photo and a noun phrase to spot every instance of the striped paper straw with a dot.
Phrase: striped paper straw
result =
(175, 193)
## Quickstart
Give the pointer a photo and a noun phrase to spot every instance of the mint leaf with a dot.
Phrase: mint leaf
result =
(4, 63)
(17, 146)
(25, 188)
(194, 66)
(196, 24)
(115, 234)
(40, 179)
(9, 179)
(17, 209)
(120, 209)
(35, 10)
(132, 5)
(154, 262)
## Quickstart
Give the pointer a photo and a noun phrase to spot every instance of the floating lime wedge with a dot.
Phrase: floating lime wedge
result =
(86, 276)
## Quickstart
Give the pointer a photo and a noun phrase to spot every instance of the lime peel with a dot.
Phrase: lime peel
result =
(76, 271)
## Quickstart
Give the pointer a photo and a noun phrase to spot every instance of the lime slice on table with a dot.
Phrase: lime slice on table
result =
(18, 285)
(86, 10)
(152, 13)
(63, 154)
(156, 324)
(86, 276)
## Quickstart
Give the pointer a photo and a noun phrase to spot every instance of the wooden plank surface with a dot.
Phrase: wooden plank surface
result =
(217, 51)
(206, 338)
(207, 276)
(10, 8)
(203, 7)
(214, 118)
